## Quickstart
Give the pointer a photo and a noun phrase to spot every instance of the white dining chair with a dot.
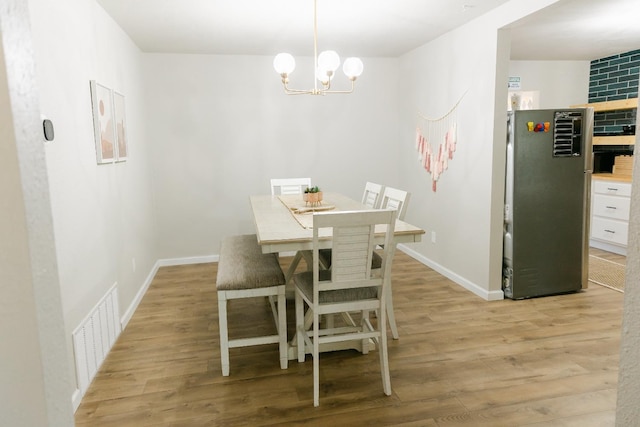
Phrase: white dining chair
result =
(372, 196)
(289, 185)
(392, 198)
(351, 285)
(396, 199)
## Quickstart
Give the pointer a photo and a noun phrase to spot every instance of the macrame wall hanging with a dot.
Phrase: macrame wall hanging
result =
(441, 131)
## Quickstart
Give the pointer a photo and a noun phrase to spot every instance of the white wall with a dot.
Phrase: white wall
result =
(35, 384)
(560, 83)
(103, 215)
(221, 127)
(466, 210)
(628, 410)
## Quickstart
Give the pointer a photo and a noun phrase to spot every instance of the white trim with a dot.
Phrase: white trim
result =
(168, 262)
(76, 399)
(124, 320)
(620, 250)
(470, 286)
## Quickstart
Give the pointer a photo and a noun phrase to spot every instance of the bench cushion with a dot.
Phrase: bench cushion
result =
(242, 265)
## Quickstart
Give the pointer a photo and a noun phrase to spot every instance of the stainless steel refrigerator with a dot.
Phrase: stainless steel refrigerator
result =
(547, 202)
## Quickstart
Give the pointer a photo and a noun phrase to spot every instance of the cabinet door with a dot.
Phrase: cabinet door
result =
(613, 188)
(609, 230)
(611, 207)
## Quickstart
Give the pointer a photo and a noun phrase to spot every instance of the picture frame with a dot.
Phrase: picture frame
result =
(103, 123)
(122, 149)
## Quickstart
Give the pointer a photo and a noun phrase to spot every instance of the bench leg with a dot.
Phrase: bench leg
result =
(224, 333)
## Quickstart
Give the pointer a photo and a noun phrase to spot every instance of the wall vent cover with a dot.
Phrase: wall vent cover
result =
(94, 337)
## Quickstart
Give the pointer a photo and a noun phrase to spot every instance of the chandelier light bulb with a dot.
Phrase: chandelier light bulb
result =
(284, 63)
(353, 68)
(329, 60)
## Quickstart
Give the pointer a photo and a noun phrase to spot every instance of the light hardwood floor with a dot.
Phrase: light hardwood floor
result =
(460, 360)
(620, 259)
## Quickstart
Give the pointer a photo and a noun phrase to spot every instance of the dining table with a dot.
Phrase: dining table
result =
(284, 223)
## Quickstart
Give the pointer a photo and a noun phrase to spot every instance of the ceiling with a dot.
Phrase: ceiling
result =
(578, 30)
(567, 30)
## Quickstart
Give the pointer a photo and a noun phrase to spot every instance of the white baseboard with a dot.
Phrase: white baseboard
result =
(76, 399)
(167, 262)
(470, 286)
(608, 247)
(124, 320)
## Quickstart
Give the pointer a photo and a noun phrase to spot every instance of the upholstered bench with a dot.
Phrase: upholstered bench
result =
(245, 272)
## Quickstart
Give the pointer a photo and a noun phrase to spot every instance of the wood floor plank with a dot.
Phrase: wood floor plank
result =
(460, 360)
(536, 411)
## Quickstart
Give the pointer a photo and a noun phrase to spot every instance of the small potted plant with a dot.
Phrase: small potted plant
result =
(312, 196)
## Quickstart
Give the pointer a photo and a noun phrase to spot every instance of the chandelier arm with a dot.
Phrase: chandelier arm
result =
(289, 91)
(297, 91)
(315, 91)
(353, 86)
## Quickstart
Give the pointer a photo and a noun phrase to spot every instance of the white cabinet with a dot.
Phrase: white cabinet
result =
(610, 201)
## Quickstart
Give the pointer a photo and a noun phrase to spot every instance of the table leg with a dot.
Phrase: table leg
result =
(292, 267)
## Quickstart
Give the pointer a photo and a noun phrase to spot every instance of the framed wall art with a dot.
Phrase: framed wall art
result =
(103, 123)
(122, 152)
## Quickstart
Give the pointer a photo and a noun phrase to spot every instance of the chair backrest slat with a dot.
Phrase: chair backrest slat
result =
(395, 199)
(289, 185)
(353, 243)
(372, 196)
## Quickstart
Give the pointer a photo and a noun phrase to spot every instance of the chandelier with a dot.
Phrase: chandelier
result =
(325, 66)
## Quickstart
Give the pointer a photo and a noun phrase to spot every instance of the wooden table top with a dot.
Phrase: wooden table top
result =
(279, 231)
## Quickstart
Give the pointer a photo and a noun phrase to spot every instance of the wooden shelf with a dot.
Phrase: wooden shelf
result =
(622, 104)
(614, 140)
